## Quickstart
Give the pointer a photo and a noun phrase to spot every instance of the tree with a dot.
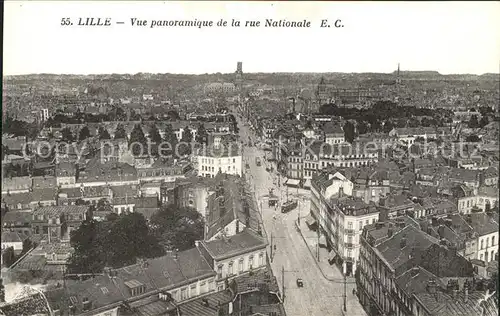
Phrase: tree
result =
(67, 135)
(84, 133)
(120, 132)
(201, 134)
(103, 133)
(137, 139)
(173, 115)
(5, 151)
(187, 138)
(388, 126)
(171, 139)
(362, 127)
(484, 121)
(187, 135)
(115, 242)
(154, 135)
(130, 239)
(177, 228)
(349, 132)
(8, 256)
(473, 123)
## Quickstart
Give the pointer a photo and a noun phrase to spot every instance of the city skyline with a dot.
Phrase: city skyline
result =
(450, 38)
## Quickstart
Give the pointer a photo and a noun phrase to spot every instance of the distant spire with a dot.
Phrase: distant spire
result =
(398, 78)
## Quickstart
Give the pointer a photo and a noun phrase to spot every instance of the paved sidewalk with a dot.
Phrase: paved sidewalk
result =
(310, 237)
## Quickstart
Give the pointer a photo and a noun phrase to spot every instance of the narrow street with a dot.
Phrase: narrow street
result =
(319, 296)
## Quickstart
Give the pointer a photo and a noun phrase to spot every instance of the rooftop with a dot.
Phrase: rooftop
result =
(398, 249)
(164, 273)
(52, 211)
(237, 244)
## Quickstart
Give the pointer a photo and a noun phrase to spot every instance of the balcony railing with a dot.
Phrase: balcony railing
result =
(350, 231)
(349, 245)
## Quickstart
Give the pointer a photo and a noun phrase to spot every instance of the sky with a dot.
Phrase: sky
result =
(449, 37)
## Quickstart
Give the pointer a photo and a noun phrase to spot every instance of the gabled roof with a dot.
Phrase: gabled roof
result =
(240, 243)
(162, 273)
(397, 249)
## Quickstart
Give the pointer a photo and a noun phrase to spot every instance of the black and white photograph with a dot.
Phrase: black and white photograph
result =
(250, 158)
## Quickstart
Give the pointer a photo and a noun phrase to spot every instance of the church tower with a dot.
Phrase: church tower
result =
(398, 77)
(239, 74)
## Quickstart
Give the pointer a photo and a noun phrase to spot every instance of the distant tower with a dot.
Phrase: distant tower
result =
(239, 74)
(398, 77)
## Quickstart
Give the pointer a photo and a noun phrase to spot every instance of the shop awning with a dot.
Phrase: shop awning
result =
(310, 221)
(307, 184)
(292, 182)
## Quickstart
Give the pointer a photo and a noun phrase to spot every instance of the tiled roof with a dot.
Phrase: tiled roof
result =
(58, 210)
(415, 280)
(12, 200)
(397, 249)
(146, 202)
(482, 223)
(231, 246)
(16, 183)
(35, 304)
(108, 172)
(8, 236)
(44, 194)
(17, 218)
(332, 128)
(65, 169)
(236, 202)
(255, 281)
(197, 307)
(164, 273)
(443, 304)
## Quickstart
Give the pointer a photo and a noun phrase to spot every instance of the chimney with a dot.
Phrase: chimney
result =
(381, 201)
(466, 292)
(389, 232)
(434, 221)
(448, 222)
(403, 242)
(431, 287)
(443, 242)
(222, 206)
(415, 271)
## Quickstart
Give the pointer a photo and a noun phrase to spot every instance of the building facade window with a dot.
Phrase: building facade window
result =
(250, 262)
(219, 271)
(193, 291)
(184, 294)
(230, 268)
(240, 265)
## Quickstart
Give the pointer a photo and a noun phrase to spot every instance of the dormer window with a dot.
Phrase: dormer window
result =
(135, 287)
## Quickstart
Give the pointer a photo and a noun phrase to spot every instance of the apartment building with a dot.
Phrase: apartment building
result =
(484, 199)
(224, 159)
(315, 156)
(398, 260)
(340, 217)
(235, 255)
